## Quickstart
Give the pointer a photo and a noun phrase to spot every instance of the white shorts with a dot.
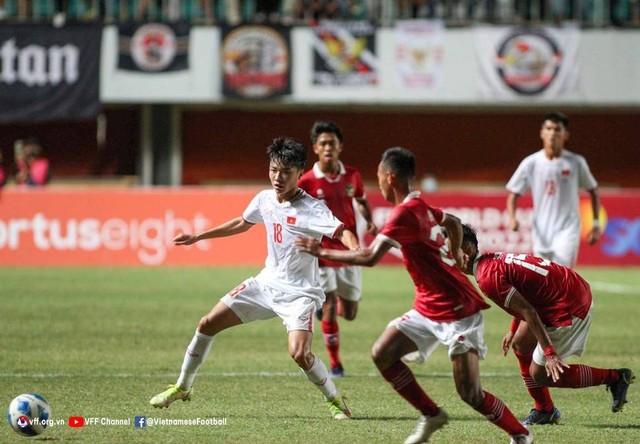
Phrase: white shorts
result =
(568, 341)
(458, 336)
(347, 281)
(563, 256)
(253, 301)
(563, 250)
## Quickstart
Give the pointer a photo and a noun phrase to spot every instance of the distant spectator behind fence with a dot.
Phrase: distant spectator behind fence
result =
(33, 169)
(3, 172)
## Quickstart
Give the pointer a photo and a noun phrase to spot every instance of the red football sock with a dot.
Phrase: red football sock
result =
(539, 393)
(498, 413)
(402, 380)
(578, 376)
(331, 334)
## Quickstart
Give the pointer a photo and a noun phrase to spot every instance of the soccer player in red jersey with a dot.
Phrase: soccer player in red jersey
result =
(447, 308)
(556, 304)
(340, 186)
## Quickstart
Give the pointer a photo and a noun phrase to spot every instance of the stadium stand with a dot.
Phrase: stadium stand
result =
(588, 13)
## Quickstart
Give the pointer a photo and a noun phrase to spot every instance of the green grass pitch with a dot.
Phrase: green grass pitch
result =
(99, 343)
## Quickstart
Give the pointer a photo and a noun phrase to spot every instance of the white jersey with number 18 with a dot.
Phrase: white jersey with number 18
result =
(285, 269)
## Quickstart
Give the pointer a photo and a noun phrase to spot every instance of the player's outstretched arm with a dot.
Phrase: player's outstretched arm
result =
(554, 365)
(367, 257)
(234, 226)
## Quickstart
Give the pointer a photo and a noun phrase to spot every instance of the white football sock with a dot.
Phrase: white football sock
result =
(196, 354)
(319, 375)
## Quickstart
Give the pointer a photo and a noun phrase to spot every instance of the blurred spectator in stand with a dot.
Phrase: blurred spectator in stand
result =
(3, 172)
(267, 10)
(158, 10)
(33, 169)
(411, 9)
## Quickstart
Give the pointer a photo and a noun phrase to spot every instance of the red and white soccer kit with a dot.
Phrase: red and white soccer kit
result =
(338, 193)
(560, 296)
(447, 308)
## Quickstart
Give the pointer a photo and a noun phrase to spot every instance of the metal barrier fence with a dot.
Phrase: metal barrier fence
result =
(588, 13)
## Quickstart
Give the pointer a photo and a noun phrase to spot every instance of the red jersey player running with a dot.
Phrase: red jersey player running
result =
(339, 186)
(556, 304)
(447, 308)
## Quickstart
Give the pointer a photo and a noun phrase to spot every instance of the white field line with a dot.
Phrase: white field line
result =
(614, 288)
(231, 375)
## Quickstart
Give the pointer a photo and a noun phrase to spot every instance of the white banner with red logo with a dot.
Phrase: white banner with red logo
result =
(419, 53)
(125, 227)
(525, 63)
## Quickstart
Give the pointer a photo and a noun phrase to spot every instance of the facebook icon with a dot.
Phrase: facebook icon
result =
(140, 421)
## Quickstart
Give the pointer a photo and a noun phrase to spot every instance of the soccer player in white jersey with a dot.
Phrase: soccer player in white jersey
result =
(287, 287)
(554, 175)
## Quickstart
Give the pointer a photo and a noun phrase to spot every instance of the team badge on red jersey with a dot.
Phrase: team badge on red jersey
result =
(350, 190)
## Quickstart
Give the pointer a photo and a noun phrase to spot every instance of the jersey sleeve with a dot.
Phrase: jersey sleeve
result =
(437, 213)
(401, 228)
(323, 222)
(359, 187)
(305, 183)
(252, 213)
(519, 182)
(587, 181)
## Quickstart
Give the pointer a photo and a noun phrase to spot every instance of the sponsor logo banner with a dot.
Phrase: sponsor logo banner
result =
(57, 227)
(344, 54)
(48, 73)
(128, 227)
(256, 61)
(525, 63)
(419, 53)
(620, 222)
(153, 47)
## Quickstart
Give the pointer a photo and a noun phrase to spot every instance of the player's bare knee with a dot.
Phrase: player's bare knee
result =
(206, 326)
(381, 356)
(470, 393)
(302, 358)
(539, 375)
(349, 316)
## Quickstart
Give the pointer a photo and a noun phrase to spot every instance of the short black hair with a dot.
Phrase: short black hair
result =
(401, 162)
(469, 236)
(557, 117)
(322, 126)
(288, 152)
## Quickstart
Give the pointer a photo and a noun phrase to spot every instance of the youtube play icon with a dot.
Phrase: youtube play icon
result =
(76, 421)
